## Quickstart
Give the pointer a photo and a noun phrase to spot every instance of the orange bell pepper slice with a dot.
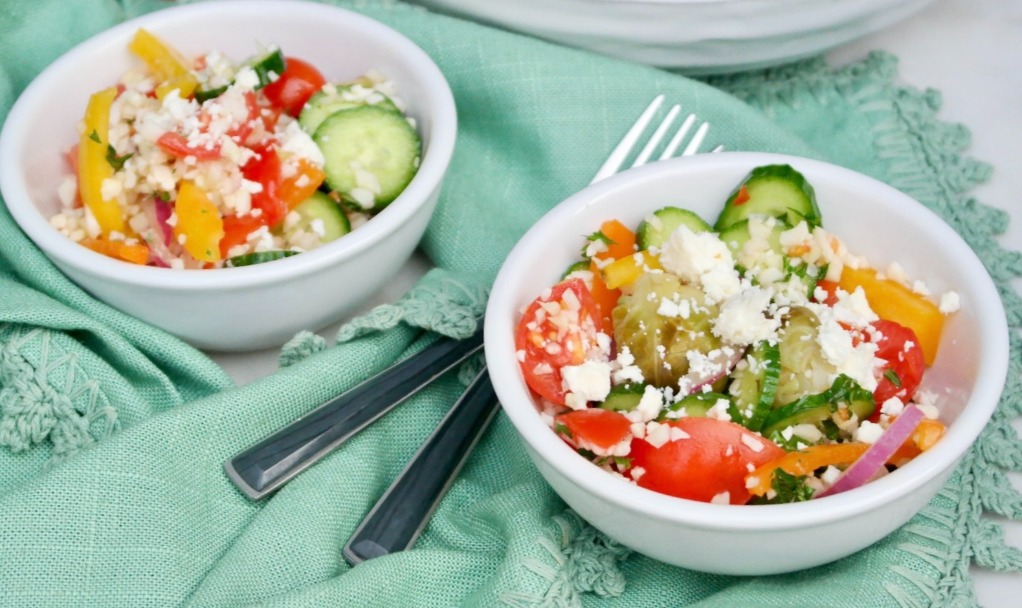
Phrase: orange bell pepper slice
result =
(136, 253)
(199, 222)
(622, 241)
(605, 300)
(294, 189)
(803, 462)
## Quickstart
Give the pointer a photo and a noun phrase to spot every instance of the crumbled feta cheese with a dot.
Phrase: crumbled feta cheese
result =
(702, 259)
(950, 302)
(724, 498)
(743, 318)
(830, 475)
(588, 381)
(868, 432)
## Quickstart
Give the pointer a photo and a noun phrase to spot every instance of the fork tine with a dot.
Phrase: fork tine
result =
(697, 140)
(658, 135)
(678, 137)
(613, 162)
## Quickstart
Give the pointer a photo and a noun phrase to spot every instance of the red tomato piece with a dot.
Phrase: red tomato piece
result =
(904, 363)
(176, 145)
(830, 287)
(264, 168)
(596, 428)
(236, 231)
(715, 458)
(295, 86)
(547, 342)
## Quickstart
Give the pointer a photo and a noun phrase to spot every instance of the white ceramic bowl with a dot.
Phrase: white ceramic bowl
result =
(250, 307)
(697, 36)
(874, 220)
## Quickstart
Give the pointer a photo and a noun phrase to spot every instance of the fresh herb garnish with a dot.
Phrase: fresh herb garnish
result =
(787, 488)
(117, 162)
(94, 136)
(892, 375)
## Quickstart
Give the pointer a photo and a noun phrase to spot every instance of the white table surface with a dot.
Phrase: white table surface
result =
(971, 51)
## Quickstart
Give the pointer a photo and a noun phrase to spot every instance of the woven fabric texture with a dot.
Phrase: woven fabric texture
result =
(113, 434)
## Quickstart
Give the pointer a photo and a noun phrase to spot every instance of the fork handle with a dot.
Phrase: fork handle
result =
(399, 516)
(264, 467)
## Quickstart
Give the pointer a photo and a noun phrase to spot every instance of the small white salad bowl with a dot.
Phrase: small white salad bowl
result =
(249, 307)
(874, 220)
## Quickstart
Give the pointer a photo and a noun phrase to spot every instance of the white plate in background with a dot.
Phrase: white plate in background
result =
(696, 36)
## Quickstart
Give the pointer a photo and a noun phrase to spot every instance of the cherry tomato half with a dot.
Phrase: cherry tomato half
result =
(715, 458)
(295, 86)
(546, 342)
(596, 428)
(264, 168)
(904, 363)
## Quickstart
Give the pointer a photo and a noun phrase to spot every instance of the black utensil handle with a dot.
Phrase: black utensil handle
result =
(398, 518)
(273, 461)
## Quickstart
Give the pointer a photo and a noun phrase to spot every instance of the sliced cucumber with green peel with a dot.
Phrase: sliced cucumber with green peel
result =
(259, 257)
(818, 408)
(659, 225)
(696, 405)
(777, 190)
(322, 215)
(737, 235)
(328, 101)
(268, 67)
(755, 386)
(624, 398)
(580, 266)
(373, 140)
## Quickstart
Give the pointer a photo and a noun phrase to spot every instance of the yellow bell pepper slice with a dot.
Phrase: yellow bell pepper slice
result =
(895, 302)
(169, 66)
(623, 272)
(93, 166)
(199, 222)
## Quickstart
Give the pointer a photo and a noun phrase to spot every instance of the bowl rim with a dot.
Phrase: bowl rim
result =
(518, 404)
(437, 153)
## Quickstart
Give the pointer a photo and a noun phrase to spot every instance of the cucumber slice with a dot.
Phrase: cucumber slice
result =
(658, 226)
(777, 190)
(370, 139)
(696, 404)
(202, 95)
(580, 266)
(755, 386)
(268, 67)
(624, 398)
(259, 257)
(816, 409)
(737, 235)
(321, 214)
(331, 100)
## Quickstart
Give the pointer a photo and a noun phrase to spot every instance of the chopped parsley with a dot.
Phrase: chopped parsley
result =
(94, 136)
(787, 488)
(893, 377)
(117, 162)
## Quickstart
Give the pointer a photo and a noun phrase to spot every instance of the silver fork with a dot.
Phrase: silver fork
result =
(627, 144)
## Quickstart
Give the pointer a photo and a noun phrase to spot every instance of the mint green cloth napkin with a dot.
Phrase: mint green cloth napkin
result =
(113, 434)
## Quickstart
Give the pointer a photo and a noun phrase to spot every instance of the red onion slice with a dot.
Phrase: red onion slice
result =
(867, 466)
